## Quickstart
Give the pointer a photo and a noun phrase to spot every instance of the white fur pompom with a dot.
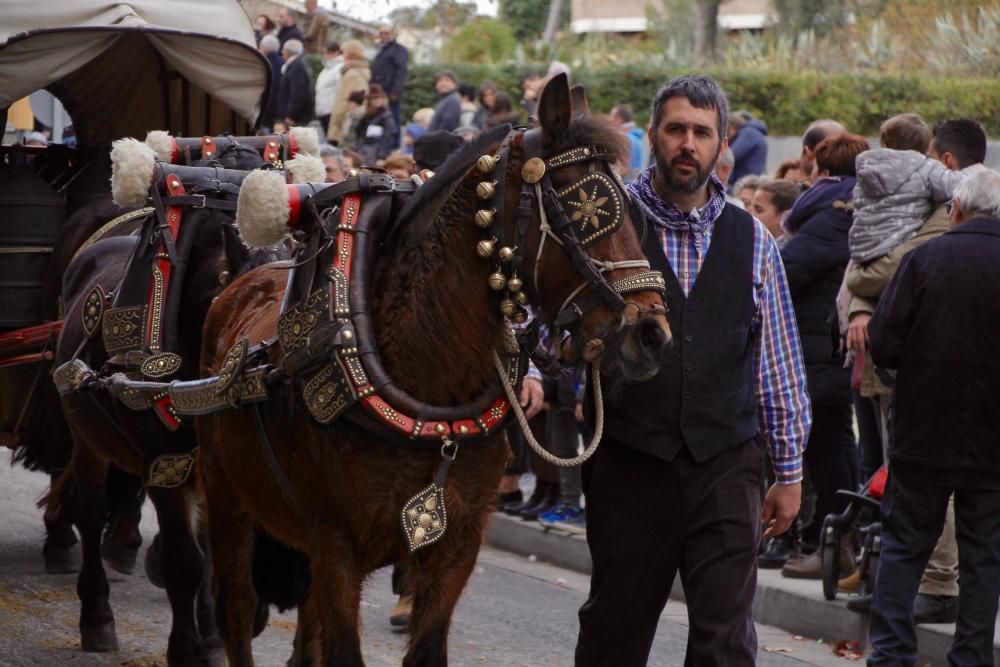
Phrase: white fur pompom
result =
(162, 144)
(307, 139)
(132, 164)
(306, 169)
(262, 209)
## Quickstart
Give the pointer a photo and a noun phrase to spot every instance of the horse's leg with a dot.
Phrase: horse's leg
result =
(306, 631)
(122, 538)
(97, 622)
(336, 598)
(205, 607)
(436, 584)
(60, 539)
(230, 538)
(183, 572)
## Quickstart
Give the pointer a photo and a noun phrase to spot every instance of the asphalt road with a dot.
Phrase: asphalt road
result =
(514, 613)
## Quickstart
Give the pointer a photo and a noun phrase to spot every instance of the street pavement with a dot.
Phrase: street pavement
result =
(514, 612)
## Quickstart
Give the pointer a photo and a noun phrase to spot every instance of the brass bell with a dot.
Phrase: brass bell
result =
(506, 254)
(485, 248)
(485, 218)
(497, 281)
(486, 189)
(508, 307)
(520, 317)
(515, 284)
(486, 164)
(521, 298)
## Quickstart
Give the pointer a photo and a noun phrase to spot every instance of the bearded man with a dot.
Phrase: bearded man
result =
(675, 486)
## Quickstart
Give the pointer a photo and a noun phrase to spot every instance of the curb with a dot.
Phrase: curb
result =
(794, 605)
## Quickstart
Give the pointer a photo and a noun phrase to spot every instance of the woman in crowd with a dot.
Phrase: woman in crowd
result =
(355, 74)
(771, 201)
(744, 188)
(263, 25)
(815, 258)
(487, 98)
(791, 170)
(501, 112)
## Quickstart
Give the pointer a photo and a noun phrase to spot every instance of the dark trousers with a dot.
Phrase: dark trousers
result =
(829, 459)
(398, 133)
(913, 514)
(869, 434)
(647, 520)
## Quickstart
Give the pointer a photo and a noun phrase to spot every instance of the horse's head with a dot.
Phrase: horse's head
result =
(561, 235)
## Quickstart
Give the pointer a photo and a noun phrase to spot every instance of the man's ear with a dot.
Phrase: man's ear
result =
(949, 160)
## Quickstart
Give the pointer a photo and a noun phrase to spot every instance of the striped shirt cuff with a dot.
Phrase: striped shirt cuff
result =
(788, 470)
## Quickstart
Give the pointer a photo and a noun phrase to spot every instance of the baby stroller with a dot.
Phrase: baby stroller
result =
(837, 527)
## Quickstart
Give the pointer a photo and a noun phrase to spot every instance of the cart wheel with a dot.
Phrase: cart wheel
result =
(830, 556)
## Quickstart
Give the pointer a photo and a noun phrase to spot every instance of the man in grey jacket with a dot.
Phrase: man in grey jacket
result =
(448, 111)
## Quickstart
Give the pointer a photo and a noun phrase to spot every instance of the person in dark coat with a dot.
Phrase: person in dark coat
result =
(748, 141)
(448, 110)
(288, 30)
(815, 258)
(270, 48)
(374, 132)
(389, 71)
(296, 106)
(936, 325)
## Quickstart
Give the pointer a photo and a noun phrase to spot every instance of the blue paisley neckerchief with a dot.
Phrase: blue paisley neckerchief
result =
(668, 214)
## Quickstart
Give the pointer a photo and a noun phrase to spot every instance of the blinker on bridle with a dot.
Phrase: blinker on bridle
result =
(575, 217)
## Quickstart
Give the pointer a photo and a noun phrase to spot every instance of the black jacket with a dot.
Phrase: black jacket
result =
(815, 258)
(937, 323)
(389, 68)
(288, 32)
(374, 136)
(296, 99)
(274, 100)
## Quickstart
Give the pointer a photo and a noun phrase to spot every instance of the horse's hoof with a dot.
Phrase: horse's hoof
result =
(153, 565)
(119, 558)
(98, 638)
(61, 561)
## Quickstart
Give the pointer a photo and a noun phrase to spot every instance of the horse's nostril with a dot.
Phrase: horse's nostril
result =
(651, 336)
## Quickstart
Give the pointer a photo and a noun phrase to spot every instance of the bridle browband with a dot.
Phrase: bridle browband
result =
(539, 194)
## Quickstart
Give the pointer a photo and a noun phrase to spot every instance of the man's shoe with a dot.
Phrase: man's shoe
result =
(532, 514)
(779, 551)
(562, 517)
(861, 604)
(510, 498)
(400, 615)
(850, 583)
(538, 496)
(808, 567)
(935, 609)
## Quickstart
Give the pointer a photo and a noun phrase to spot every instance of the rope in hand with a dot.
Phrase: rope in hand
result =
(526, 429)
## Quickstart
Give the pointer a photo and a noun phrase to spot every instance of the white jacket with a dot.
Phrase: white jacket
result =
(326, 85)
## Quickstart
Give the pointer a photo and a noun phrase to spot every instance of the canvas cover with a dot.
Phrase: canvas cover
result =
(123, 68)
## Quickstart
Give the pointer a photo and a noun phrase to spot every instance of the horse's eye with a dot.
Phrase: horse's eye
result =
(223, 277)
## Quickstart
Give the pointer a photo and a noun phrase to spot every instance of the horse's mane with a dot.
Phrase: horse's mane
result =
(420, 211)
(594, 131)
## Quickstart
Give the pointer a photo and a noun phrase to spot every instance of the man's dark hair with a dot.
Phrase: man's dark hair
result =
(701, 91)
(467, 90)
(447, 73)
(819, 130)
(962, 137)
(623, 111)
(333, 47)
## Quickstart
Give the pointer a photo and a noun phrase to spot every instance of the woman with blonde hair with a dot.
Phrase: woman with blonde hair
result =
(355, 75)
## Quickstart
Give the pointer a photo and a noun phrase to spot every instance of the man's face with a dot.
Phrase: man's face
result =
(334, 173)
(806, 160)
(444, 84)
(310, 5)
(286, 55)
(284, 17)
(947, 158)
(377, 102)
(686, 145)
(384, 35)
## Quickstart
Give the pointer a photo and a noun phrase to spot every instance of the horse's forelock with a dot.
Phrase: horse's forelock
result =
(594, 131)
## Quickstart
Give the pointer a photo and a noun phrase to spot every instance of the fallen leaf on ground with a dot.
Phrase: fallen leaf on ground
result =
(777, 649)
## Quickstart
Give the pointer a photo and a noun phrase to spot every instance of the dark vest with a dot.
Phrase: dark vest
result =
(703, 396)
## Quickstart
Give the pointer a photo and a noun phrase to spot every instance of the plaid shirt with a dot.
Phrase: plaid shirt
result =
(785, 416)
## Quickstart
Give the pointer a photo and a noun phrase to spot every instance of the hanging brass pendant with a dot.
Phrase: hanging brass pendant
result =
(508, 307)
(497, 281)
(486, 164)
(514, 284)
(485, 248)
(520, 317)
(521, 298)
(486, 189)
(506, 254)
(484, 218)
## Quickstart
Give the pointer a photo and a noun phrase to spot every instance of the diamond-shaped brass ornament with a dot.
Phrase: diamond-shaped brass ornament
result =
(424, 517)
(171, 470)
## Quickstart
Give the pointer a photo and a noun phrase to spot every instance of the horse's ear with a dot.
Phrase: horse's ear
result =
(554, 108)
(578, 96)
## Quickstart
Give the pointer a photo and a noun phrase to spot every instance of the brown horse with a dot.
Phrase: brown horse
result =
(437, 323)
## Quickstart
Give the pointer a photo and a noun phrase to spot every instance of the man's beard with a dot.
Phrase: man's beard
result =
(675, 182)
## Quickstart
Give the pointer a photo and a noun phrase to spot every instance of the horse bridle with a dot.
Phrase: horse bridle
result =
(539, 194)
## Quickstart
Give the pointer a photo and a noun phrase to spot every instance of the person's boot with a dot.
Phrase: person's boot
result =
(537, 497)
(935, 608)
(510, 499)
(548, 504)
(850, 583)
(861, 604)
(779, 551)
(811, 567)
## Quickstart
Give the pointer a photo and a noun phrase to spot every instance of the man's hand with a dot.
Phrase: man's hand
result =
(857, 333)
(781, 506)
(532, 396)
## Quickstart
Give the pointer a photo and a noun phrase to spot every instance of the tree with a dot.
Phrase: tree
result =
(483, 41)
(527, 18)
(706, 29)
(821, 16)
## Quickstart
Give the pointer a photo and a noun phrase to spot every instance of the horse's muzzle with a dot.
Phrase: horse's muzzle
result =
(642, 349)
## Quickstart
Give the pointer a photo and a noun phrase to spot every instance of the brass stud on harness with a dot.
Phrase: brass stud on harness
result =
(497, 281)
(508, 307)
(515, 284)
(486, 164)
(485, 248)
(533, 170)
(486, 189)
(506, 254)
(485, 218)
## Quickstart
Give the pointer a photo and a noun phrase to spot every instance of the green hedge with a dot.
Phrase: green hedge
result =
(787, 102)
